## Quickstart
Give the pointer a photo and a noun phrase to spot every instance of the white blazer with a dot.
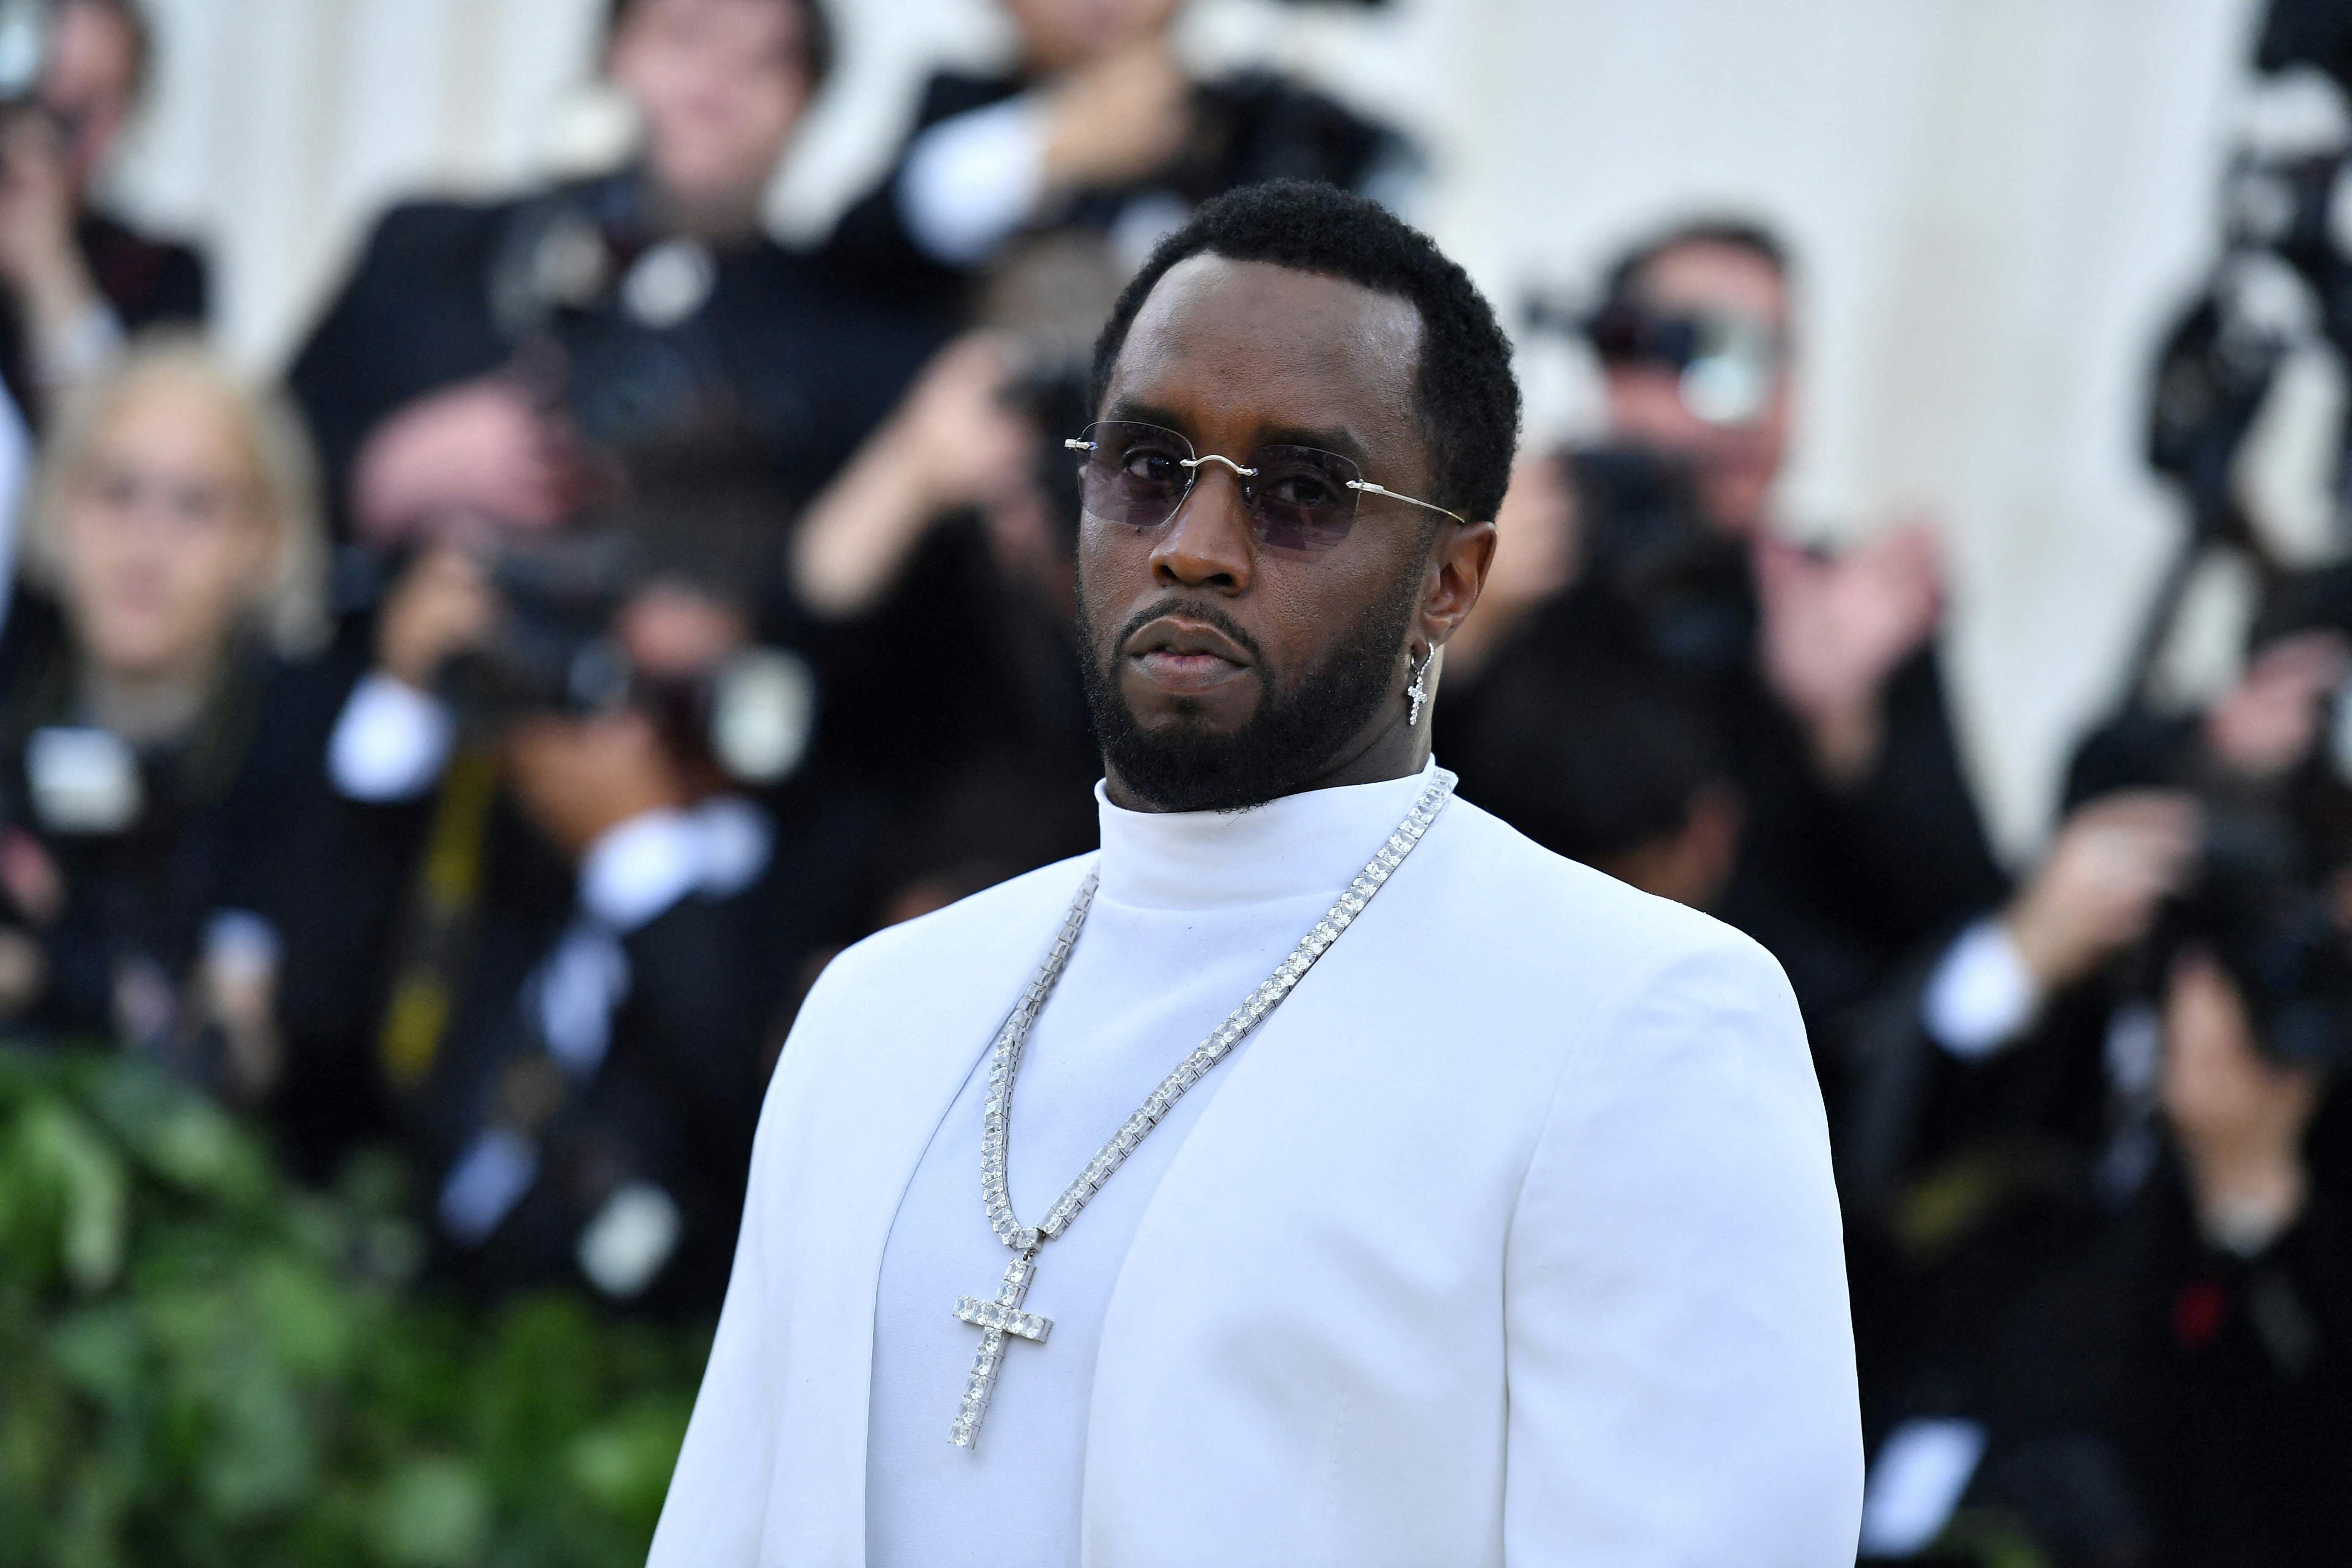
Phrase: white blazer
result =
(1511, 1239)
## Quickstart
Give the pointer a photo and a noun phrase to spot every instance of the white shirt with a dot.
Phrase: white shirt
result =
(1193, 911)
(972, 180)
(1509, 1239)
(1980, 996)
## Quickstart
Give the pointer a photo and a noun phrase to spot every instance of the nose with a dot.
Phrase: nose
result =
(1207, 543)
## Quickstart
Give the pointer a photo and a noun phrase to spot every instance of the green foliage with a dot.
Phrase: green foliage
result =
(203, 1364)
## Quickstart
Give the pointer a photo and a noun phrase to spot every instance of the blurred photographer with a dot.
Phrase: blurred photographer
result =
(942, 560)
(574, 871)
(1818, 673)
(157, 738)
(483, 358)
(2092, 1144)
(78, 279)
(2232, 1400)
(1097, 142)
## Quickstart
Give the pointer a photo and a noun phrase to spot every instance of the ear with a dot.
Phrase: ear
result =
(1459, 560)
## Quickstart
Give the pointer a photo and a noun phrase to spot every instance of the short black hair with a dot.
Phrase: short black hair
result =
(1592, 760)
(1469, 400)
(817, 35)
(1621, 283)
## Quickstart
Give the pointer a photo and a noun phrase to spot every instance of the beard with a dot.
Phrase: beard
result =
(1292, 736)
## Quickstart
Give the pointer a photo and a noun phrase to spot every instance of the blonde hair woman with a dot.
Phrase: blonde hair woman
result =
(176, 566)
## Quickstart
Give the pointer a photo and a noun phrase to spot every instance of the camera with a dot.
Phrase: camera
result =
(554, 650)
(2274, 865)
(2269, 918)
(594, 296)
(1725, 364)
(701, 513)
(752, 718)
(1678, 588)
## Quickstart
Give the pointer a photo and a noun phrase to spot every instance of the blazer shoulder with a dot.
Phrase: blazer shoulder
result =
(975, 934)
(1651, 1012)
(1522, 898)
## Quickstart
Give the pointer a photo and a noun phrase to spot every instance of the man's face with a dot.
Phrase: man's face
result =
(1736, 464)
(1056, 35)
(1224, 671)
(722, 84)
(85, 85)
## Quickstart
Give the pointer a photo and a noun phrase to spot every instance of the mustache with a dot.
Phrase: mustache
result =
(1192, 609)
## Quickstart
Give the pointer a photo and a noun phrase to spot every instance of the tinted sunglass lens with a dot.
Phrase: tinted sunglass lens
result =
(1135, 474)
(1300, 498)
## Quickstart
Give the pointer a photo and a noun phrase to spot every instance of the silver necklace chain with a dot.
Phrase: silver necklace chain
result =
(1001, 1317)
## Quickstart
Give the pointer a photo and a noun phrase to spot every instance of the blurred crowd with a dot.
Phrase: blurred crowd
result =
(476, 743)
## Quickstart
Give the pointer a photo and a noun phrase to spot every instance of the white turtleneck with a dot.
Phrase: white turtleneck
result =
(1193, 911)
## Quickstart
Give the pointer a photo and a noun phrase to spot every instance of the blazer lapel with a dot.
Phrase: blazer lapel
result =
(867, 1092)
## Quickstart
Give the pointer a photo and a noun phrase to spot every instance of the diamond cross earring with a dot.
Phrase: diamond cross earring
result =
(1415, 693)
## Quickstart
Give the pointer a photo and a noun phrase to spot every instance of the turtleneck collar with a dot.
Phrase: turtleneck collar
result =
(1313, 842)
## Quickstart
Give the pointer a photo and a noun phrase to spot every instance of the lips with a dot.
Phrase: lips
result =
(1180, 656)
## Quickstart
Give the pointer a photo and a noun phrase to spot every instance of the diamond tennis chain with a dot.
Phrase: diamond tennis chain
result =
(1002, 1318)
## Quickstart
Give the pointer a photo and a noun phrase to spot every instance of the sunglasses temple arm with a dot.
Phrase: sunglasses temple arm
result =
(1370, 488)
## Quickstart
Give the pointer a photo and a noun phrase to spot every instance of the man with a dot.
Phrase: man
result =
(476, 348)
(73, 280)
(566, 882)
(1507, 1236)
(1820, 672)
(78, 279)
(1096, 144)
(2101, 1136)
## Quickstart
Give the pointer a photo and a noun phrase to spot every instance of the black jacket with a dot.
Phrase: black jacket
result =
(211, 832)
(464, 906)
(1248, 129)
(780, 346)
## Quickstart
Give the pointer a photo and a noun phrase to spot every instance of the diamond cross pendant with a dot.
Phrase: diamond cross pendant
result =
(1416, 693)
(995, 1320)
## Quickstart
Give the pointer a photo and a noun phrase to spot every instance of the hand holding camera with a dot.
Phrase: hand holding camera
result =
(2115, 863)
(38, 259)
(2270, 720)
(962, 441)
(1835, 629)
(487, 448)
(441, 604)
(956, 441)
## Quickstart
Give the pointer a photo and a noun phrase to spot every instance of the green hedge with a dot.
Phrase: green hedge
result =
(202, 1363)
